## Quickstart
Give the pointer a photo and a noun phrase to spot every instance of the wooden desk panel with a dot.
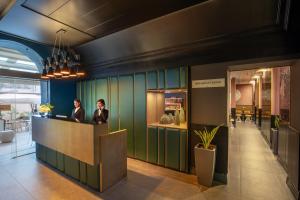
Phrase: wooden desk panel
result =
(77, 140)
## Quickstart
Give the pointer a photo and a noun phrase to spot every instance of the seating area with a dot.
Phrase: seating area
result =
(244, 112)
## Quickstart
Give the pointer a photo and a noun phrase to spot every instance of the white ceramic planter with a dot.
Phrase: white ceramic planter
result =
(205, 164)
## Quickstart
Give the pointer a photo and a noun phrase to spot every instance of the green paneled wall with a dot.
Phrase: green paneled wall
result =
(82, 172)
(60, 161)
(125, 98)
(183, 77)
(92, 174)
(84, 96)
(152, 80)
(78, 90)
(72, 167)
(173, 148)
(152, 145)
(101, 91)
(161, 146)
(161, 79)
(88, 101)
(126, 110)
(183, 150)
(114, 105)
(173, 78)
(51, 157)
(140, 126)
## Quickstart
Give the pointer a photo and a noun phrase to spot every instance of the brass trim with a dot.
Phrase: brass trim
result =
(101, 176)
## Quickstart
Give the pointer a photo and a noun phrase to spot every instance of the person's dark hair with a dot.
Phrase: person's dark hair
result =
(78, 101)
(101, 101)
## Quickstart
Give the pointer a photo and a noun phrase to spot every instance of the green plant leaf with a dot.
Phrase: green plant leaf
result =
(206, 136)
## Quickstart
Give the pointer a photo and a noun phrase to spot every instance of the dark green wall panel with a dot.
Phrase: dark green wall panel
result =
(60, 161)
(183, 77)
(152, 80)
(88, 100)
(173, 148)
(126, 110)
(84, 95)
(183, 150)
(51, 157)
(161, 79)
(72, 167)
(140, 126)
(161, 146)
(93, 99)
(41, 152)
(152, 145)
(93, 176)
(102, 91)
(172, 78)
(114, 105)
(82, 172)
(78, 90)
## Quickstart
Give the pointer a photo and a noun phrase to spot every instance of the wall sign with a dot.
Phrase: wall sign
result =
(209, 83)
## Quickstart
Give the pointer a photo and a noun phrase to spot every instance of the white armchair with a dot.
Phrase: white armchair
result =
(7, 136)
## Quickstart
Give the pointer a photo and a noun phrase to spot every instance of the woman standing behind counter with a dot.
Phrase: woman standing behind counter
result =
(100, 114)
(78, 113)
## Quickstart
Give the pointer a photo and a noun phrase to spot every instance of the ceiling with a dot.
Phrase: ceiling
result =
(245, 76)
(84, 20)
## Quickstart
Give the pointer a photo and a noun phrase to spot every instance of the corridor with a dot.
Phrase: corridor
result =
(253, 169)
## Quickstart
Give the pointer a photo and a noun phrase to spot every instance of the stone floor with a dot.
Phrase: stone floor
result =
(254, 174)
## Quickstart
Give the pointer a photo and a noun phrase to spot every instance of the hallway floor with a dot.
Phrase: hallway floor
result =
(254, 174)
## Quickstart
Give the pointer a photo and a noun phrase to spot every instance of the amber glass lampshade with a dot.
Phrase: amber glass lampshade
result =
(50, 72)
(65, 70)
(44, 74)
(72, 72)
(79, 71)
(57, 71)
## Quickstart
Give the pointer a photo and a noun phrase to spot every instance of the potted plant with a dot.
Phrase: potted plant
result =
(45, 109)
(275, 132)
(205, 156)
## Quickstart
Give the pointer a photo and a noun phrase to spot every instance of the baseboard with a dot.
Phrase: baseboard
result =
(220, 177)
(293, 189)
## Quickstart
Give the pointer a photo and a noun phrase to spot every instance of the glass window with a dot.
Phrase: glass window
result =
(14, 60)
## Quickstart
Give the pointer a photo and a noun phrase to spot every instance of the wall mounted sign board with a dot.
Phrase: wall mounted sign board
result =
(208, 83)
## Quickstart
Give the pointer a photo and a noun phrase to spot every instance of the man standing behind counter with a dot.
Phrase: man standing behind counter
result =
(78, 113)
(100, 114)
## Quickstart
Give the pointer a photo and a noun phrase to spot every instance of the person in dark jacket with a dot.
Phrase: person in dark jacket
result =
(100, 114)
(78, 113)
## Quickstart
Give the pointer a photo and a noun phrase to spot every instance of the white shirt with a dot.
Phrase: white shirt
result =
(76, 109)
(99, 112)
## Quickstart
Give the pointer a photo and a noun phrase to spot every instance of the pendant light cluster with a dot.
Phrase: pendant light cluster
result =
(63, 63)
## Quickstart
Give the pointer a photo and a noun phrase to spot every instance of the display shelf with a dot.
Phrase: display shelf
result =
(181, 126)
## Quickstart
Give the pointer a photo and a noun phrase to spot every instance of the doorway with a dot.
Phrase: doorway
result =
(258, 99)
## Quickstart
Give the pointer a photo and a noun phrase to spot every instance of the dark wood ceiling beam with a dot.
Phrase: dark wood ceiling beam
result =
(72, 27)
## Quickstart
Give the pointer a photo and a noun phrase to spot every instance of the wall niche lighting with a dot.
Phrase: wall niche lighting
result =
(63, 63)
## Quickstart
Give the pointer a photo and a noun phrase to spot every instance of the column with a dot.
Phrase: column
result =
(232, 101)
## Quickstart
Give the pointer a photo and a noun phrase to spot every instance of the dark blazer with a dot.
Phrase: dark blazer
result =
(102, 118)
(79, 115)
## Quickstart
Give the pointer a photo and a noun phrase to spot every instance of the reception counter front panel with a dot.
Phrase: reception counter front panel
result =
(82, 151)
(77, 140)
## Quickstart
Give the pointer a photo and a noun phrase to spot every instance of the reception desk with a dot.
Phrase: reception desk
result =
(84, 151)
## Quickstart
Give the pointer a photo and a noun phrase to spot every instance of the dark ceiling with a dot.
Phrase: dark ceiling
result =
(84, 20)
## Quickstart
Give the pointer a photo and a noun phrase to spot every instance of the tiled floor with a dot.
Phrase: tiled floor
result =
(254, 174)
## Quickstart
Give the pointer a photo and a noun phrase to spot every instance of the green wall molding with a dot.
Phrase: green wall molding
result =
(125, 97)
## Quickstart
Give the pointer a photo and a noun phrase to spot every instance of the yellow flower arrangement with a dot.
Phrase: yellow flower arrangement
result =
(45, 108)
